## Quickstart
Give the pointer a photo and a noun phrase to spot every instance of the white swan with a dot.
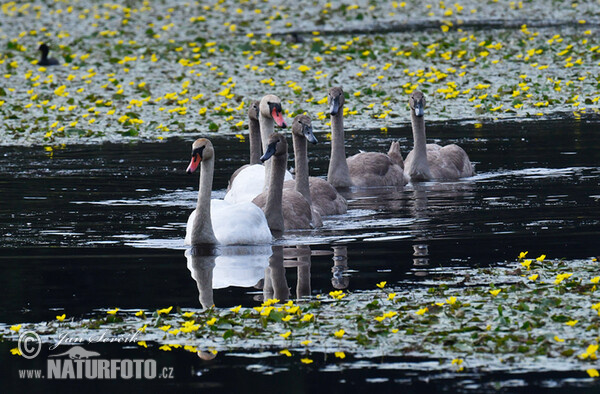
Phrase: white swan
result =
(365, 169)
(285, 209)
(250, 181)
(431, 161)
(254, 138)
(217, 221)
(319, 193)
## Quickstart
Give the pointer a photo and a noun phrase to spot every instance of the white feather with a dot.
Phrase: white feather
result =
(235, 224)
(248, 184)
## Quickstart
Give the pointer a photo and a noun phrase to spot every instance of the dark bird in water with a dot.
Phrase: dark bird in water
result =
(45, 60)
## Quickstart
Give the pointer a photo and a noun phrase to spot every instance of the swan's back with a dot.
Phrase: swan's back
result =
(297, 213)
(448, 162)
(371, 169)
(325, 198)
(235, 224)
(248, 183)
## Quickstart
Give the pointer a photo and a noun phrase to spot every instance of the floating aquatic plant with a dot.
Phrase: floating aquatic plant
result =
(159, 69)
(496, 319)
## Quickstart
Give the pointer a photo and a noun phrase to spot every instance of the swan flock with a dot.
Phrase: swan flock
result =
(264, 200)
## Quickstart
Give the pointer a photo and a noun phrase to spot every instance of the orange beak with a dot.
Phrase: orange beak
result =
(194, 164)
(278, 117)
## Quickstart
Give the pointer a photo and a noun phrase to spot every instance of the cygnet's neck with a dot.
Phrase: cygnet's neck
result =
(273, 206)
(338, 174)
(255, 141)
(301, 164)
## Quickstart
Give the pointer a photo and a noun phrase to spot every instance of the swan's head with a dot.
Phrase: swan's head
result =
(302, 126)
(270, 108)
(202, 149)
(253, 110)
(44, 48)
(276, 146)
(417, 103)
(335, 99)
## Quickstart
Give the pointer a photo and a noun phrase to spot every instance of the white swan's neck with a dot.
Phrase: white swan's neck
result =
(267, 127)
(420, 166)
(301, 163)
(273, 207)
(338, 174)
(255, 141)
(202, 230)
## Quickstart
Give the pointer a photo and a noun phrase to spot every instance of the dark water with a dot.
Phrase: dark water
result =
(89, 227)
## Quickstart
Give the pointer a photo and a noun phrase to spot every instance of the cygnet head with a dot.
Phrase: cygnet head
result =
(202, 149)
(335, 99)
(276, 146)
(253, 110)
(417, 103)
(302, 126)
(270, 108)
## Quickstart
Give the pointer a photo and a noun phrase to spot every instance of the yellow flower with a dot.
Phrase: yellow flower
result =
(62, 317)
(236, 309)
(110, 312)
(593, 373)
(391, 296)
(286, 318)
(285, 334)
(357, 93)
(341, 355)
(286, 352)
(306, 343)
(421, 311)
(381, 285)
(165, 348)
(307, 317)
(541, 258)
(595, 279)
(211, 321)
(139, 313)
(557, 339)
(306, 360)
(526, 264)
(165, 328)
(188, 314)
(561, 277)
(142, 343)
(304, 68)
(533, 277)
(15, 328)
(339, 333)
(495, 292)
(571, 322)
(15, 352)
(451, 300)
(522, 255)
(165, 310)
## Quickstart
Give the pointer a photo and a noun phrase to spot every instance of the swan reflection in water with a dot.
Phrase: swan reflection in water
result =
(260, 267)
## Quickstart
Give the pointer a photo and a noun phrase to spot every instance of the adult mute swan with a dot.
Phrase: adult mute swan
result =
(255, 141)
(285, 209)
(251, 180)
(322, 196)
(431, 161)
(217, 221)
(365, 169)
